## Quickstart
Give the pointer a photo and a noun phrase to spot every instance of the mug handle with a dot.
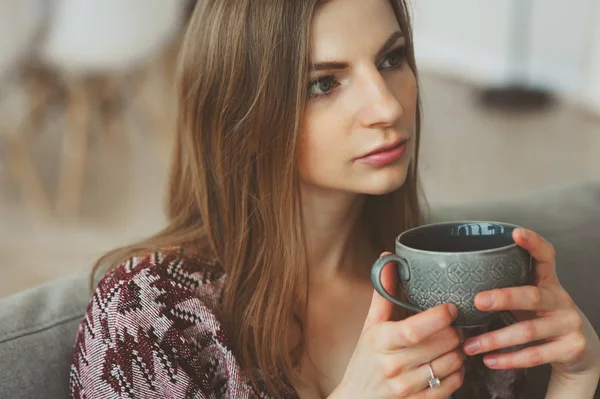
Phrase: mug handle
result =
(404, 276)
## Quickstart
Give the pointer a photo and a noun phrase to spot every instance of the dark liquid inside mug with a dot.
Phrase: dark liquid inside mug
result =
(452, 262)
(464, 237)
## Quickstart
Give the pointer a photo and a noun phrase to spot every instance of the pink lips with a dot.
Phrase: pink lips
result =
(385, 155)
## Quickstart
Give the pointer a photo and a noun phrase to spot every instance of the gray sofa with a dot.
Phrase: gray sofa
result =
(37, 327)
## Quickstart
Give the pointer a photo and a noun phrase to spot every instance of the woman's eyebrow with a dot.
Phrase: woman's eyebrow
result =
(339, 65)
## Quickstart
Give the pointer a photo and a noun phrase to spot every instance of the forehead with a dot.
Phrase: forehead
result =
(343, 28)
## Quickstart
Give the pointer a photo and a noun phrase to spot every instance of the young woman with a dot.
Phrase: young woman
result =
(297, 144)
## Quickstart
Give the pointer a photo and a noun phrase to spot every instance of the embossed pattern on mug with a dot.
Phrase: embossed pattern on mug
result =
(432, 283)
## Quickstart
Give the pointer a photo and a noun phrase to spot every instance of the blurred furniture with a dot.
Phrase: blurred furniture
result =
(107, 60)
(21, 25)
(98, 47)
(38, 326)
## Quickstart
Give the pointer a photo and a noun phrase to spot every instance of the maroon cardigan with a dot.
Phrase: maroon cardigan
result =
(151, 332)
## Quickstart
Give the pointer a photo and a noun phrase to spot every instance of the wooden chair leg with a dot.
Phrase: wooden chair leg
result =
(75, 147)
(112, 112)
(41, 92)
(24, 170)
(153, 106)
(19, 160)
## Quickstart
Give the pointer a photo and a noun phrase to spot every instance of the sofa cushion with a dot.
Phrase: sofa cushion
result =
(37, 332)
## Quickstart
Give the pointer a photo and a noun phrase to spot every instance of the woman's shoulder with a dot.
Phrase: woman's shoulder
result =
(171, 273)
(159, 290)
(161, 278)
(152, 326)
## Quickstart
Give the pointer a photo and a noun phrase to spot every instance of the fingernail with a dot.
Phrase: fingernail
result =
(461, 335)
(471, 346)
(453, 311)
(485, 300)
(524, 234)
(490, 361)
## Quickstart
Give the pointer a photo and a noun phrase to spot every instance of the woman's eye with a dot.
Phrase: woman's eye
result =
(322, 86)
(395, 58)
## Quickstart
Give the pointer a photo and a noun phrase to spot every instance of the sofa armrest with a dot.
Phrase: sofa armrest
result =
(37, 332)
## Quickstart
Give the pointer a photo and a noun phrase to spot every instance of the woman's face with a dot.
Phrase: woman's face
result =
(363, 100)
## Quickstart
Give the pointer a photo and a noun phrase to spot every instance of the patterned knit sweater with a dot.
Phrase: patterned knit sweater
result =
(151, 331)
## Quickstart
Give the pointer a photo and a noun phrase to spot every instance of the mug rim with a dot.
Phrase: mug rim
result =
(480, 251)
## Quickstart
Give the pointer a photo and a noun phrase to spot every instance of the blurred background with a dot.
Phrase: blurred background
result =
(511, 94)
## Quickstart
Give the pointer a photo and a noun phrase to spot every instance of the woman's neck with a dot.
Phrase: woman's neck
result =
(337, 245)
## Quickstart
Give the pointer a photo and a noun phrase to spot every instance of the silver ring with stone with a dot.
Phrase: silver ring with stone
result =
(434, 382)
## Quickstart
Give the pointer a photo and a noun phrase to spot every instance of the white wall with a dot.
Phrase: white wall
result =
(561, 42)
(471, 39)
(463, 37)
(591, 87)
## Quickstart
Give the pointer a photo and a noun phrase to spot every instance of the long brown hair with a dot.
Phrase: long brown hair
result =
(233, 194)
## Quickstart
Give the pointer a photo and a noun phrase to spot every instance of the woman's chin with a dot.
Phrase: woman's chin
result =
(380, 186)
(377, 183)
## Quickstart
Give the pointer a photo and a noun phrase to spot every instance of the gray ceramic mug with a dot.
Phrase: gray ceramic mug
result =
(451, 262)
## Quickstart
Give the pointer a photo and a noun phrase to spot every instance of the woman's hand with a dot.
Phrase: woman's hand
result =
(546, 313)
(391, 357)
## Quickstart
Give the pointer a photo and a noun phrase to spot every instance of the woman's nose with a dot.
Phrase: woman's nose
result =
(379, 105)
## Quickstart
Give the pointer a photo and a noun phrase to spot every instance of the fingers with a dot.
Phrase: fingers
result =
(417, 379)
(541, 250)
(449, 385)
(560, 351)
(521, 298)
(442, 367)
(381, 309)
(522, 333)
(416, 329)
(538, 247)
(435, 346)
